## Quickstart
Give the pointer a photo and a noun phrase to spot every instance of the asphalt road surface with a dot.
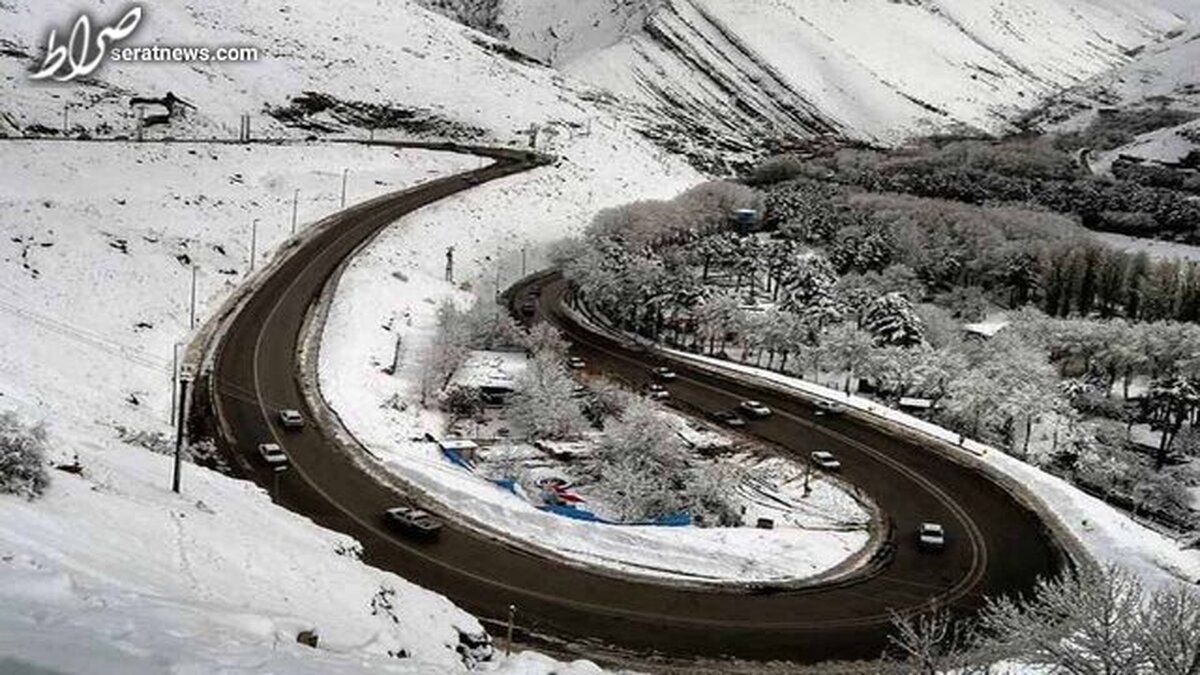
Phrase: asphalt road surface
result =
(995, 545)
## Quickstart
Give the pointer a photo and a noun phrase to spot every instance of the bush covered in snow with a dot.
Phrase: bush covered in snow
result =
(22, 457)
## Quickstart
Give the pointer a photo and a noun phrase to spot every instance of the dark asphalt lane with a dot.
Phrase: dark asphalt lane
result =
(996, 546)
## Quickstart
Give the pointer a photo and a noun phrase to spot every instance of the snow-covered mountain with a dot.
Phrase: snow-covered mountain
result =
(732, 70)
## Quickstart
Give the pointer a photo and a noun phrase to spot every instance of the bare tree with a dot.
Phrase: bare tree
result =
(934, 642)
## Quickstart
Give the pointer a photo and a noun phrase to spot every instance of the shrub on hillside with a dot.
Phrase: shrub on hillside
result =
(22, 458)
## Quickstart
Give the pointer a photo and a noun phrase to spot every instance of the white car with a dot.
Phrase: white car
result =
(755, 409)
(291, 419)
(826, 460)
(272, 454)
(931, 537)
(413, 522)
(665, 374)
(576, 363)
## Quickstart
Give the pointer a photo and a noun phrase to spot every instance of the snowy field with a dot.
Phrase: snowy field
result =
(1155, 248)
(94, 296)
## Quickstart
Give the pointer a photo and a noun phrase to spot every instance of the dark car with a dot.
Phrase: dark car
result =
(665, 374)
(729, 418)
(413, 522)
(656, 392)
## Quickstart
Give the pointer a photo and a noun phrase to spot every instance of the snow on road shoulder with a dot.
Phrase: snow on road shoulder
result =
(1107, 534)
(399, 281)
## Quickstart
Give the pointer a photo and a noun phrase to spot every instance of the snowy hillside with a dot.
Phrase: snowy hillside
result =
(98, 239)
(874, 69)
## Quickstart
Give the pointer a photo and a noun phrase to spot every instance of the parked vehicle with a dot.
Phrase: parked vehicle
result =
(665, 374)
(755, 409)
(729, 418)
(272, 454)
(826, 460)
(576, 363)
(291, 419)
(931, 537)
(413, 522)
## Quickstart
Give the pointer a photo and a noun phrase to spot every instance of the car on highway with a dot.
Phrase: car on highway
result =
(291, 419)
(931, 537)
(665, 374)
(729, 418)
(827, 408)
(656, 391)
(826, 460)
(413, 522)
(755, 409)
(272, 454)
(576, 363)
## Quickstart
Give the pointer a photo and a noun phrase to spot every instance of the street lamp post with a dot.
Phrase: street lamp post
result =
(278, 471)
(185, 378)
(512, 615)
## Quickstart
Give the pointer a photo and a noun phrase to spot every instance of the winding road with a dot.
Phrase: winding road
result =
(996, 545)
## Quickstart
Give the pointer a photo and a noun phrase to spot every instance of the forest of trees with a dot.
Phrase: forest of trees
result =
(875, 289)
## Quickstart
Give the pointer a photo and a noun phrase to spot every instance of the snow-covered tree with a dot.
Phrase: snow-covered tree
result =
(932, 643)
(543, 406)
(640, 464)
(846, 347)
(1100, 622)
(710, 494)
(22, 457)
(544, 338)
(808, 282)
(893, 320)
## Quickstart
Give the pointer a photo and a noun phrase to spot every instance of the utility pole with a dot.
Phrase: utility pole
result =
(192, 313)
(512, 615)
(345, 174)
(396, 355)
(253, 243)
(450, 264)
(295, 208)
(523, 251)
(185, 378)
(174, 380)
